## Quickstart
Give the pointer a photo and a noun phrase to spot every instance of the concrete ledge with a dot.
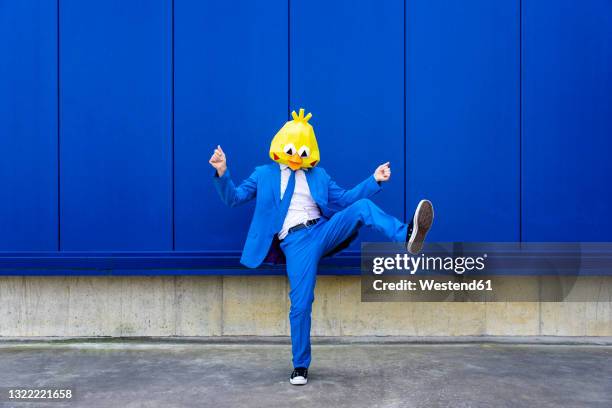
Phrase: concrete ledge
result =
(127, 342)
(221, 306)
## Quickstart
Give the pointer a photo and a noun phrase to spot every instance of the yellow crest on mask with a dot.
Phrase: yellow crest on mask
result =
(295, 143)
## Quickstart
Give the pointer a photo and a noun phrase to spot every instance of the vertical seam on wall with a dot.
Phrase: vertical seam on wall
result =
(520, 120)
(177, 312)
(288, 59)
(286, 294)
(540, 306)
(58, 156)
(222, 319)
(405, 126)
(287, 303)
(172, 125)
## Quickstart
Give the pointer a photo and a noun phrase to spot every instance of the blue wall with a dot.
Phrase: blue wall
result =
(115, 115)
(500, 112)
(28, 126)
(567, 121)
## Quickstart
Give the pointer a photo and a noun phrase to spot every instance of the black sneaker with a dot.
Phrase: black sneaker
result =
(419, 226)
(299, 376)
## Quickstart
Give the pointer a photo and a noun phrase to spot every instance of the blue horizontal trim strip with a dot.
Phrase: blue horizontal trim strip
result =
(153, 264)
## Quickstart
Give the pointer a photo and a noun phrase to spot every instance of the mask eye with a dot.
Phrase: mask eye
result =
(289, 149)
(304, 152)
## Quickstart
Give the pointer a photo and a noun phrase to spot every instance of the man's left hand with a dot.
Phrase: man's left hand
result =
(383, 172)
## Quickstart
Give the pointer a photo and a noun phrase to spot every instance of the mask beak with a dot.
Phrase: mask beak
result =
(295, 162)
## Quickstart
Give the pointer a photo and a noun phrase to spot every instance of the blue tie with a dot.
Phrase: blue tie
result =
(284, 204)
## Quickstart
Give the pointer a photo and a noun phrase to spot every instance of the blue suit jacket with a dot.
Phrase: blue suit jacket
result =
(264, 185)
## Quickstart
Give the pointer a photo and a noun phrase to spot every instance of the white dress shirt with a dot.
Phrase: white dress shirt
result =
(301, 207)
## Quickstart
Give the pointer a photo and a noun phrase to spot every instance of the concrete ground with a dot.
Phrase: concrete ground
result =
(192, 374)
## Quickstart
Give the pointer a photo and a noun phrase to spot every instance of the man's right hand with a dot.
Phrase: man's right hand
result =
(218, 161)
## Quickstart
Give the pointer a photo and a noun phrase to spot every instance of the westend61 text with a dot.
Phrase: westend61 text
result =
(432, 285)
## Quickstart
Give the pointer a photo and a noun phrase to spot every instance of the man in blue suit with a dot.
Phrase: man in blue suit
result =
(302, 215)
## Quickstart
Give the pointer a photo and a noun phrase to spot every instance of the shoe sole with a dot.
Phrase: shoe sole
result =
(423, 218)
(298, 381)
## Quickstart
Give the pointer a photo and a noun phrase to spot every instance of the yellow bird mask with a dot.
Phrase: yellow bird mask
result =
(295, 143)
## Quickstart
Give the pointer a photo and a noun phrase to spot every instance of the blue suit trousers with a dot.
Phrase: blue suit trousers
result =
(304, 248)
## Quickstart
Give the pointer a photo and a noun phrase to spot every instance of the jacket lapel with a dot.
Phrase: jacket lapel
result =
(312, 185)
(276, 183)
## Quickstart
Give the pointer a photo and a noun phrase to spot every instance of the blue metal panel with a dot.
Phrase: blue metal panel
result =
(230, 89)
(567, 120)
(28, 125)
(115, 137)
(347, 67)
(462, 108)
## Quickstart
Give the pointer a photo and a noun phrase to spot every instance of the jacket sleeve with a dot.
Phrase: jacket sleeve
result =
(232, 195)
(343, 198)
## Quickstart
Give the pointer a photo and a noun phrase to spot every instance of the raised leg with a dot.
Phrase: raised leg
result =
(362, 212)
